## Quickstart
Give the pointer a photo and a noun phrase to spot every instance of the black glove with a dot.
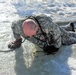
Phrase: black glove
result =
(50, 49)
(15, 44)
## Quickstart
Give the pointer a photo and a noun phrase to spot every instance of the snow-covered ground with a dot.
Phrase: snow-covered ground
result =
(25, 60)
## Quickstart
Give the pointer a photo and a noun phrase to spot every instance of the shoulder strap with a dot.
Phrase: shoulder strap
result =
(43, 33)
(40, 27)
(34, 18)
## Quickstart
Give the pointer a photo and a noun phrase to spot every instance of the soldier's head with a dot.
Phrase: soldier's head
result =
(30, 27)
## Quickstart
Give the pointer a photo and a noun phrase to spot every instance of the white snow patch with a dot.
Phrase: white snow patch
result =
(22, 61)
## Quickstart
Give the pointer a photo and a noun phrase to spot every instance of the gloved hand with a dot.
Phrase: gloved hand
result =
(15, 44)
(50, 49)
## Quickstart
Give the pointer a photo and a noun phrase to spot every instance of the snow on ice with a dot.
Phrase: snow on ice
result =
(25, 60)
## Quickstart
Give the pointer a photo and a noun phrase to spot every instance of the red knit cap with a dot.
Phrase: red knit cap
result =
(30, 27)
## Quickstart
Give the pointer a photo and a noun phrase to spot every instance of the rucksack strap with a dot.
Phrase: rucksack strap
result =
(46, 40)
(36, 20)
(43, 33)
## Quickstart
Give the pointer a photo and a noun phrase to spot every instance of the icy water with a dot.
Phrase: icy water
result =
(25, 60)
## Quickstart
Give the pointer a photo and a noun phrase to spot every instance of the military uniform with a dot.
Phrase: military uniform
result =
(55, 35)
